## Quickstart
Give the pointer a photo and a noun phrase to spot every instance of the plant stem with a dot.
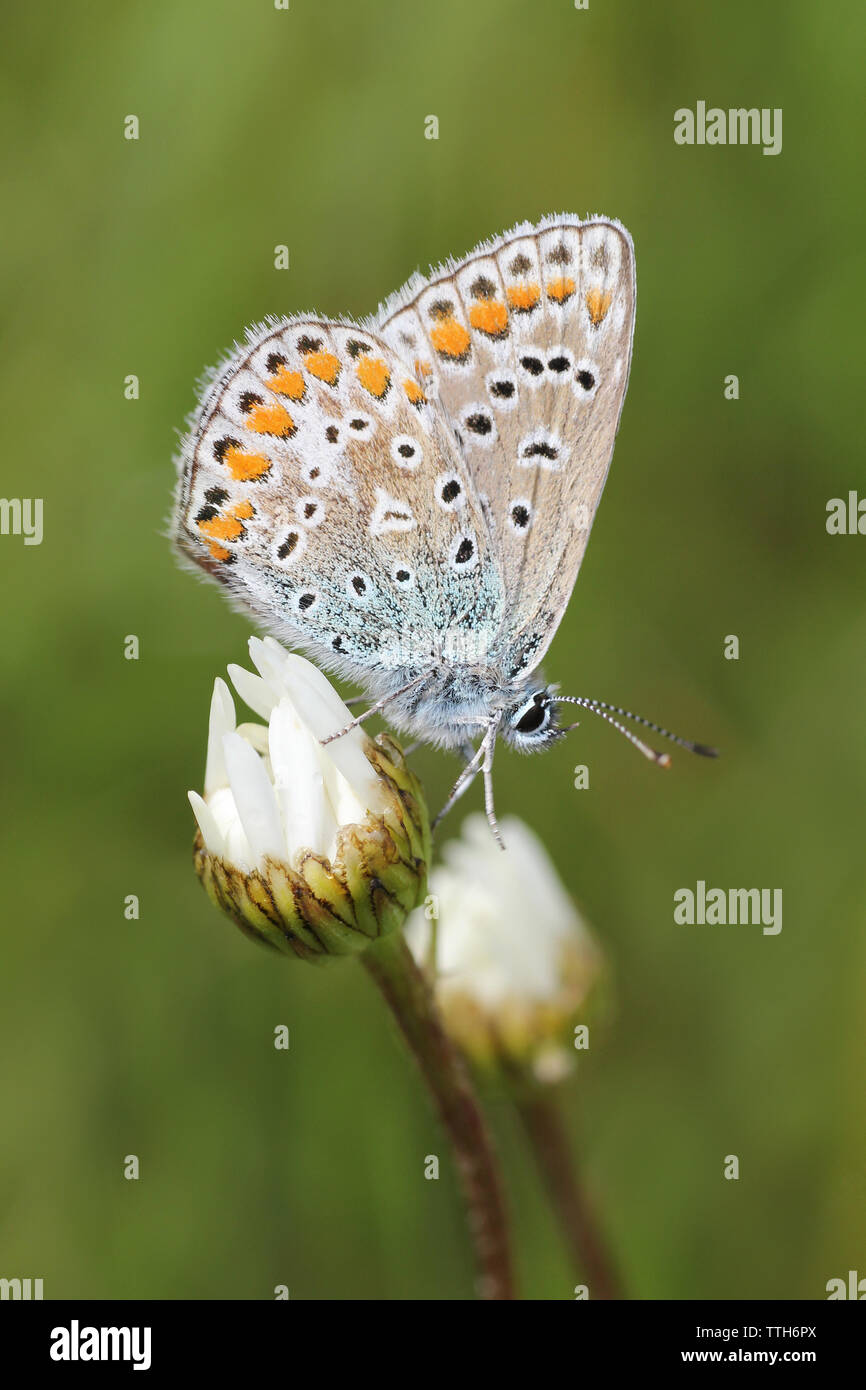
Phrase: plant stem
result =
(408, 995)
(542, 1120)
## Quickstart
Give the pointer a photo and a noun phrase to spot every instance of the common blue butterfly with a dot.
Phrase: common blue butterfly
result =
(408, 499)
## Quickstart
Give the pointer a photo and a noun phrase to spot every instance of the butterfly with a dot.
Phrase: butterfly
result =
(408, 499)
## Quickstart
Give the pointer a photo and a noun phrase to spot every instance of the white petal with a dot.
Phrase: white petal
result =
(554, 907)
(211, 834)
(503, 917)
(222, 721)
(417, 931)
(346, 806)
(331, 713)
(268, 657)
(254, 798)
(224, 811)
(258, 694)
(299, 784)
(324, 713)
(256, 736)
(237, 846)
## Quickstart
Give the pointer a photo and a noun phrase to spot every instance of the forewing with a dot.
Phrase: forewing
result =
(527, 343)
(326, 490)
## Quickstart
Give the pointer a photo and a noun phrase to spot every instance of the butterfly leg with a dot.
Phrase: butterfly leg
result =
(379, 704)
(467, 776)
(489, 744)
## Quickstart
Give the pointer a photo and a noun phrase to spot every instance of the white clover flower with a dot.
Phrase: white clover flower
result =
(313, 849)
(514, 959)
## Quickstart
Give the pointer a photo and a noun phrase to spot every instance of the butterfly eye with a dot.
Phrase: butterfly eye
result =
(535, 716)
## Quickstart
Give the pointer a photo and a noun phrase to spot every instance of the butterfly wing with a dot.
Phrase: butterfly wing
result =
(326, 490)
(527, 343)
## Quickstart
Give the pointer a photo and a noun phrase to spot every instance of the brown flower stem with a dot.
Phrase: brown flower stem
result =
(542, 1121)
(407, 994)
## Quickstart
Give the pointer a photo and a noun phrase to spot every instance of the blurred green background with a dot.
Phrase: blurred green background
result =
(154, 1037)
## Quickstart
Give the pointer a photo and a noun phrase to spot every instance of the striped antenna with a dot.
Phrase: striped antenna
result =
(606, 712)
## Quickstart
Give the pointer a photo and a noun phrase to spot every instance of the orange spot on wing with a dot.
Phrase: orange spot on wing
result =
(222, 528)
(323, 365)
(245, 467)
(287, 383)
(490, 316)
(598, 303)
(414, 392)
(523, 297)
(271, 419)
(219, 552)
(373, 375)
(243, 511)
(561, 288)
(450, 338)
